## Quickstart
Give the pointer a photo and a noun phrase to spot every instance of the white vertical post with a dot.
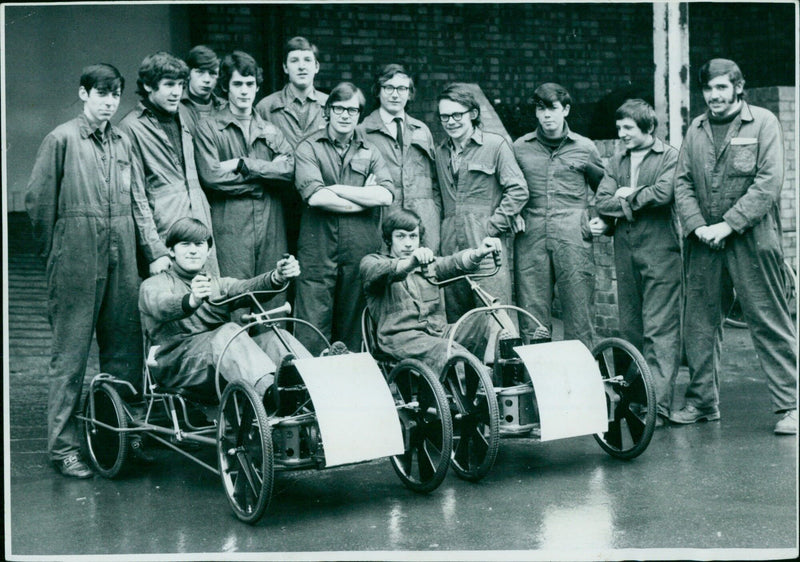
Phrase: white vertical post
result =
(671, 58)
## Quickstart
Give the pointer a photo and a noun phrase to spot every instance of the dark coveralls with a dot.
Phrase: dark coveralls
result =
(479, 200)
(331, 244)
(556, 247)
(88, 208)
(741, 186)
(410, 313)
(191, 340)
(413, 170)
(246, 209)
(171, 182)
(194, 113)
(295, 119)
(648, 261)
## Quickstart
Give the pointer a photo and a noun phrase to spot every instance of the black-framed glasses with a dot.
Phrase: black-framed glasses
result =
(457, 116)
(351, 111)
(389, 89)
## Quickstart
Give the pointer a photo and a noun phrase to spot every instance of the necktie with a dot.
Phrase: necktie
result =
(399, 122)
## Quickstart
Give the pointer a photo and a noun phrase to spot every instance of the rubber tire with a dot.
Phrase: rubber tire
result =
(485, 430)
(431, 434)
(248, 496)
(108, 450)
(639, 387)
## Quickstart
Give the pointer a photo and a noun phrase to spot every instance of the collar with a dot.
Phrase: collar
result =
(477, 138)
(225, 117)
(288, 94)
(533, 135)
(657, 146)
(745, 115)
(388, 118)
(86, 129)
(357, 139)
(216, 101)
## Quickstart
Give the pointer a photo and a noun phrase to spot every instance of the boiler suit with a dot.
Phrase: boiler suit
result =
(88, 208)
(556, 247)
(410, 314)
(331, 244)
(246, 209)
(647, 256)
(741, 186)
(172, 187)
(413, 171)
(479, 200)
(191, 340)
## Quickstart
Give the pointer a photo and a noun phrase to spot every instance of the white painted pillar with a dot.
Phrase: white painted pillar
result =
(671, 80)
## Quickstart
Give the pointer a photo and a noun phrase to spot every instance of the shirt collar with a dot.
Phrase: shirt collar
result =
(86, 129)
(477, 138)
(388, 118)
(744, 114)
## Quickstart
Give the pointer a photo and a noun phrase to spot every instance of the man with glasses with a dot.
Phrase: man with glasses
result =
(482, 190)
(407, 147)
(344, 182)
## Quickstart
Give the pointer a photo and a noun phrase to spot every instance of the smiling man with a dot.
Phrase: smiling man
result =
(244, 164)
(482, 191)
(727, 192)
(164, 148)
(406, 145)
(636, 193)
(344, 182)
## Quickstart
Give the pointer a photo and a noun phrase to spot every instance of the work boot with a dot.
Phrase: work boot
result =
(74, 467)
(691, 414)
(138, 452)
(787, 425)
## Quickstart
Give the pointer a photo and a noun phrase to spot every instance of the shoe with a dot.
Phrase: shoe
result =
(690, 414)
(787, 425)
(74, 467)
(138, 452)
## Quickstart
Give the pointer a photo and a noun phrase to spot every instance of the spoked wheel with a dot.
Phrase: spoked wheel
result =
(427, 428)
(476, 417)
(108, 443)
(244, 451)
(630, 397)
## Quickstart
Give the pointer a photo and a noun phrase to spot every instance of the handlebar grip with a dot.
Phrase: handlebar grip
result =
(498, 259)
(248, 317)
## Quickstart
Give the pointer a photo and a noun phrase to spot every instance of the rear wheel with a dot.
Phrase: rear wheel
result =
(107, 444)
(475, 416)
(427, 428)
(244, 451)
(630, 397)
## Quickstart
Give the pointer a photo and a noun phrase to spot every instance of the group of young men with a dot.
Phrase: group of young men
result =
(207, 195)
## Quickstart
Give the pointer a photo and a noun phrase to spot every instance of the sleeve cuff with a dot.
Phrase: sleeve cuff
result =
(736, 220)
(186, 305)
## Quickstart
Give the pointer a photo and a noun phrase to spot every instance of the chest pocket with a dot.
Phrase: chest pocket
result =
(360, 166)
(743, 158)
(481, 178)
(124, 176)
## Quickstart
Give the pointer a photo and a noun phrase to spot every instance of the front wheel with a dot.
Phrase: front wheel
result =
(425, 420)
(630, 397)
(244, 452)
(104, 429)
(475, 416)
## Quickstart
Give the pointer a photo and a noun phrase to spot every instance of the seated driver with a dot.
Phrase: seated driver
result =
(191, 332)
(408, 310)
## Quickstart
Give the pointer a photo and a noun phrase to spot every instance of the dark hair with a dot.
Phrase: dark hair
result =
(299, 44)
(549, 93)
(388, 72)
(203, 58)
(720, 67)
(343, 92)
(102, 77)
(158, 66)
(461, 93)
(641, 112)
(241, 62)
(400, 219)
(187, 229)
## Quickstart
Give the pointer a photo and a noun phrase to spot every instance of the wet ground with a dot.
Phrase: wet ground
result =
(715, 490)
(725, 485)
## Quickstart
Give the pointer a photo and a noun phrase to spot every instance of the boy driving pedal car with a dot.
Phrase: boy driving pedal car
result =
(408, 310)
(191, 333)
